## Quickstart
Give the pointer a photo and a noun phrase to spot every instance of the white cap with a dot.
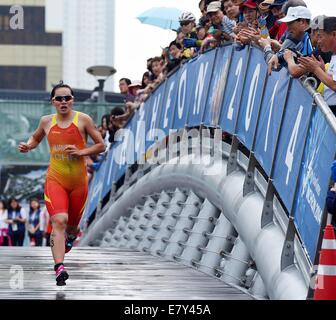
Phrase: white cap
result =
(295, 13)
(214, 6)
(135, 83)
(318, 22)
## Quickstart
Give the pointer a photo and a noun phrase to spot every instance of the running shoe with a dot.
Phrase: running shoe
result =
(61, 275)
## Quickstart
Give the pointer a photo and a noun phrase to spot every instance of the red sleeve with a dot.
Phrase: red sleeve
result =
(274, 30)
(282, 30)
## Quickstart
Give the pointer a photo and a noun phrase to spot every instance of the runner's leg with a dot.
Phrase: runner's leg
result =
(57, 202)
(77, 202)
(76, 208)
(59, 223)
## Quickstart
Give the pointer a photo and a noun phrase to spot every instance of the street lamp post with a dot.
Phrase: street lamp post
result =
(101, 73)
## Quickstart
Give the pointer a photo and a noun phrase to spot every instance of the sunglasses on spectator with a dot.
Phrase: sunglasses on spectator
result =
(61, 98)
(184, 23)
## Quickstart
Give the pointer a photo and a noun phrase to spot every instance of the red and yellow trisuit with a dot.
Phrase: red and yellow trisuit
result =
(66, 186)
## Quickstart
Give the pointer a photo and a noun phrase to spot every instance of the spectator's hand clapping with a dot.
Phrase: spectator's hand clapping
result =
(265, 42)
(242, 39)
(240, 26)
(249, 35)
(311, 64)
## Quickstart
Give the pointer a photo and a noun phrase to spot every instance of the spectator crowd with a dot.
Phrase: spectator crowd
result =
(17, 223)
(285, 30)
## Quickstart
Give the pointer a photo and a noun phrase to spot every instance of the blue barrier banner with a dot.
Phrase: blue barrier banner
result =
(291, 142)
(319, 153)
(153, 116)
(230, 88)
(201, 73)
(108, 178)
(185, 85)
(124, 150)
(217, 86)
(252, 97)
(169, 102)
(95, 190)
(270, 118)
(139, 131)
(148, 107)
(233, 91)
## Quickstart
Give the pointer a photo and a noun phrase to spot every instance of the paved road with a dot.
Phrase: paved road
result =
(113, 274)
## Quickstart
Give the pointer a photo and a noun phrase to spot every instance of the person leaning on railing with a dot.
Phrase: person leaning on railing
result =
(327, 42)
(298, 41)
(221, 26)
(118, 118)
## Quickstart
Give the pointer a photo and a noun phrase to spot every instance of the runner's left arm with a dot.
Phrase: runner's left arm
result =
(93, 132)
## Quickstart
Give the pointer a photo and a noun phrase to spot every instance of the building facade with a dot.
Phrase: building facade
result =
(88, 38)
(31, 58)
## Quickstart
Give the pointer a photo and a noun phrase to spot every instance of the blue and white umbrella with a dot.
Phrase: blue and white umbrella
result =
(162, 17)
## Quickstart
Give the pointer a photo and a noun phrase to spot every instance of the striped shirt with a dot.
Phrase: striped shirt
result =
(228, 25)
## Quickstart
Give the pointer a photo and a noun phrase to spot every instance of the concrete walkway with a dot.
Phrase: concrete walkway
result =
(99, 273)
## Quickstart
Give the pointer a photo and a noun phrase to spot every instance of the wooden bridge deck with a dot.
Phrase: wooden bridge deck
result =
(105, 274)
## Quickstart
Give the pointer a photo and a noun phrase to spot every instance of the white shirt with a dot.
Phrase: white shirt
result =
(330, 95)
(44, 219)
(23, 215)
(33, 216)
(3, 217)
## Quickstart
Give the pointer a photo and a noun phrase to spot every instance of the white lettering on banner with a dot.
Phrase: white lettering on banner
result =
(316, 183)
(97, 188)
(238, 72)
(140, 132)
(183, 83)
(154, 115)
(199, 87)
(310, 186)
(292, 143)
(125, 151)
(251, 97)
(156, 154)
(110, 169)
(270, 114)
(316, 209)
(168, 104)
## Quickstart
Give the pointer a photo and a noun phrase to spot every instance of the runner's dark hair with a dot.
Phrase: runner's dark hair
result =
(60, 85)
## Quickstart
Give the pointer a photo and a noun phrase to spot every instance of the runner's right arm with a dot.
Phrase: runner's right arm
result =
(36, 137)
